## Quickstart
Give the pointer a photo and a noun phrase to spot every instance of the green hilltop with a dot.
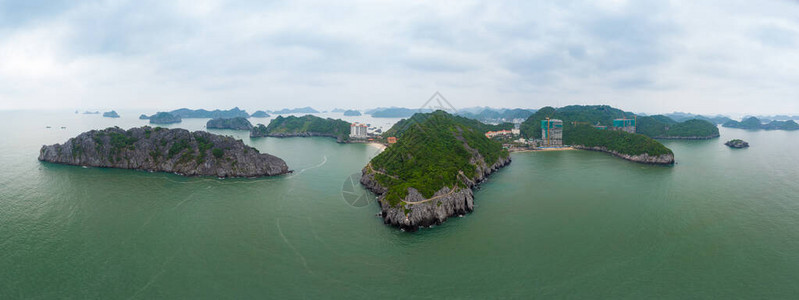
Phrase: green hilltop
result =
(432, 150)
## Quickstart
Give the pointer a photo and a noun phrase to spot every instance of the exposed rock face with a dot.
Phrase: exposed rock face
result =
(164, 118)
(237, 123)
(178, 151)
(665, 159)
(416, 211)
(737, 144)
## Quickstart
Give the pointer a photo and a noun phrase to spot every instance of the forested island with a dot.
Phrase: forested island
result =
(164, 118)
(428, 175)
(737, 143)
(159, 149)
(352, 113)
(580, 130)
(662, 127)
(237, 123)
(304, 126)
(260, 114)
(111, 114)
(754, 123)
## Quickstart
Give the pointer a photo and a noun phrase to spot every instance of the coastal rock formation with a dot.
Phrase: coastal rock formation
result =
(737, 144)
(111, 114)
(663, 159)
(428, 175)
(237, 123)
(687, 137)
(415, 211)
(158, 149)
(164, 118)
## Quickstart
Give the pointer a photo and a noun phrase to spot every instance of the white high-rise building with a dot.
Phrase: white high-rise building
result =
(358, 130)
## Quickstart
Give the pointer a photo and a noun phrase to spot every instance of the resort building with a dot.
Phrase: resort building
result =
(551, 133)
(626, 125)
(358, 131)
(491, 134)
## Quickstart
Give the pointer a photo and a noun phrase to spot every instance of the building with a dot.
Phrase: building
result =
(626, 125)
(491, 134)
(392, 140)
(551, 133)
(516, 131)
(358, 131)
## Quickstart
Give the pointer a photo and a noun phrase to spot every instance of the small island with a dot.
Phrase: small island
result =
(260, 114)
(259, 131)
(352, 113)
(164, 118)
(143, 117)
(159, 149)
(237, 123)
(429, 174)
(305, 126)
(737, 144)
(111, 114)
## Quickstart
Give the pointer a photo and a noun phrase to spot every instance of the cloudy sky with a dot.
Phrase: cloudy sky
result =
(710, 56)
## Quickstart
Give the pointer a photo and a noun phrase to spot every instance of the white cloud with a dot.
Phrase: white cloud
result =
(654, 56)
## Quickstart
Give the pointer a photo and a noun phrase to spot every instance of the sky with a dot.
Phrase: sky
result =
(707, 57)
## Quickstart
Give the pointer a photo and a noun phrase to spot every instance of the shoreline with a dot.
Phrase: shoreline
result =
(541, 150)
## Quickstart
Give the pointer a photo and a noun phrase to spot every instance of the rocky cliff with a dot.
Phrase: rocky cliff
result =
(664, 159)
(158, 149)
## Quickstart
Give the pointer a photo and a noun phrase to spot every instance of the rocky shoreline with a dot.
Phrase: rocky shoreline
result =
(687, 137)
(416, 211)
(158, 149)
(306, 134)
(665, 159)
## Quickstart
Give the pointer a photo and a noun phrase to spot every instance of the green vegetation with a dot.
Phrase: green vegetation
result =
(403, 125)
(237, 123)
(259, 131)
(590, 115)
(662, 126)
(218, 153)
(494, 115)
(578, 130)
(178, 146)
(431, 154)
(755, 123)
(164, 118)
(292, 125)
(619, 141)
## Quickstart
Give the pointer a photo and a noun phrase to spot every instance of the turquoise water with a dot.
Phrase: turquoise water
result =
(722, 223)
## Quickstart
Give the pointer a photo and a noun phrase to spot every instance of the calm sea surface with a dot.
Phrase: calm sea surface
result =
(722, 223)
